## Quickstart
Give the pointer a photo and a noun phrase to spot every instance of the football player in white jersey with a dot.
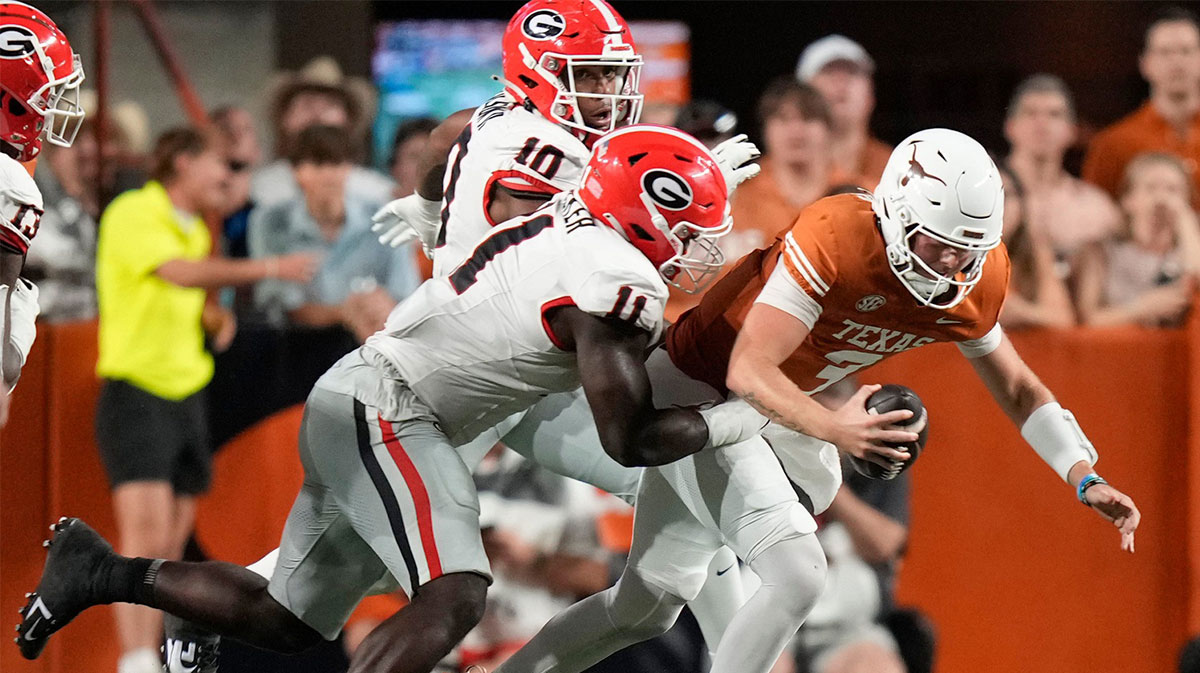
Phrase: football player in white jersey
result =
(571, 294)
(39, 95)
(571, 72)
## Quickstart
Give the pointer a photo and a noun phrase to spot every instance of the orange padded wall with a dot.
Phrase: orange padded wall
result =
(1016, 574)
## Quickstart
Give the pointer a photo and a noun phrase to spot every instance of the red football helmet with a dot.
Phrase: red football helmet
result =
(663, 190)
(544, 43)
(39, 81)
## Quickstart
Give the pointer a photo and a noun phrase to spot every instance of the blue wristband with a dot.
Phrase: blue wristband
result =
(1086, 483)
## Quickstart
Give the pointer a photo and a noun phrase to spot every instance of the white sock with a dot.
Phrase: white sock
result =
(793, 577)
(144, 660)
(719, 599)
(597, 626)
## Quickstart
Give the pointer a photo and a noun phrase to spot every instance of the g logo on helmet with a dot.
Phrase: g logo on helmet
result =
(16, 41)
(667, 189)
(544, 24)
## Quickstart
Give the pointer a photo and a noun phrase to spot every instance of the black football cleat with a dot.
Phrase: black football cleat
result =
(75, 553)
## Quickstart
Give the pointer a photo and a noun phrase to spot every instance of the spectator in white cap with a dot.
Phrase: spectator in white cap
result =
(842, 71)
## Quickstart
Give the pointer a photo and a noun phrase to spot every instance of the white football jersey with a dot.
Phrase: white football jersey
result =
(20, 206)
(476, 346)
(506, 144)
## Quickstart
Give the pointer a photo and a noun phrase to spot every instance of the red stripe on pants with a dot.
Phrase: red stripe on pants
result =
(419, 495)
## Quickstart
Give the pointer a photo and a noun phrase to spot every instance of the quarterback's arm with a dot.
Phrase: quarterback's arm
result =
(768, 337)
(1052, 432)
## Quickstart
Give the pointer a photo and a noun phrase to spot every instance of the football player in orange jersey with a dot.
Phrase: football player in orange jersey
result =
(918, 263)
(857, 278)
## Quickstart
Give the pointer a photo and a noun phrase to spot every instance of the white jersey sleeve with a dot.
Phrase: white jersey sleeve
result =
(608, 277)
(20, 206)
(504, 145)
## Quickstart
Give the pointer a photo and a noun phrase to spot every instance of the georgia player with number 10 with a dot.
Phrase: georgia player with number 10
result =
(572, 293)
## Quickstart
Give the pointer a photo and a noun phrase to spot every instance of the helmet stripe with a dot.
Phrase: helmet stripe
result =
(604, 9)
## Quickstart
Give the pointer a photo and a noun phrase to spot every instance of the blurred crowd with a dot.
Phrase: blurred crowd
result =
(296, 279)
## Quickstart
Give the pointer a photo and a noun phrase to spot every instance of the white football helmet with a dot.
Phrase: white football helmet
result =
(943, 184)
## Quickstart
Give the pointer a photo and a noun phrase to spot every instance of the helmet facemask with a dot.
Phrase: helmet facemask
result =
(559, 70)
(698, 258)
(58, 103)
(924, 282)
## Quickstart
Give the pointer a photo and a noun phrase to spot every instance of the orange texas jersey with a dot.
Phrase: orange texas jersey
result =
(835, 253)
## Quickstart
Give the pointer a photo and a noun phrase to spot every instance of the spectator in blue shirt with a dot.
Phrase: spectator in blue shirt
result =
(359, 281)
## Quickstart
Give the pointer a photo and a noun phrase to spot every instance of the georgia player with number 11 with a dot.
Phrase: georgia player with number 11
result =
(570, 294)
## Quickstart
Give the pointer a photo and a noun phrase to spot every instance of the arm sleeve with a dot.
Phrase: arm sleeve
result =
(784, 293)
(977, 348)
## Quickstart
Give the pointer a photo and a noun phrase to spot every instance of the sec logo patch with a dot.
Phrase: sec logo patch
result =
(870, 303)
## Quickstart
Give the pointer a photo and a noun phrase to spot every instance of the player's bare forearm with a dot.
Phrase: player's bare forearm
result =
(768, 337)
(213, 272)
(11, 264)
(433, 161)
(785, 405)
(611, 357)
(1011, 382)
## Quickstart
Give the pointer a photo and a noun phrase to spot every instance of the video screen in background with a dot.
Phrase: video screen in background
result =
(432, 68)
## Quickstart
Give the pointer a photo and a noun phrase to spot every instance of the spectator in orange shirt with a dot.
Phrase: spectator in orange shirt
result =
(796, 167)
(1058, 207)
(1170, 120)
(841, 70)
(796, 170)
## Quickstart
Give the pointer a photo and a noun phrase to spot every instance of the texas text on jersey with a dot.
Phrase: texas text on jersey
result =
(834, 278)
(476, 346)
(20, 206)
(504, 145)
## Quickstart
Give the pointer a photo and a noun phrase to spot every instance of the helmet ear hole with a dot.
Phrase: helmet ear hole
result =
(15, 108)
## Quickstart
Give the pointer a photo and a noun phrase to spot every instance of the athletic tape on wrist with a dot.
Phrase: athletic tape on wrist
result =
(1056, 436)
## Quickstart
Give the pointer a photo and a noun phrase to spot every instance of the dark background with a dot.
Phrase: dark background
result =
(938, 63)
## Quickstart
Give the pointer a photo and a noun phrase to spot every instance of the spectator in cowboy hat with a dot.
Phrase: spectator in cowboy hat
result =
(318, 94)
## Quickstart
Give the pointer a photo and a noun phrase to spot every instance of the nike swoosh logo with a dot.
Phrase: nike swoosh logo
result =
(722, 572)
(948, 321)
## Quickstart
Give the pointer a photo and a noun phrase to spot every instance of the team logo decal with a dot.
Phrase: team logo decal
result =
(16, 41)
(870, 303)
(544, 24)
(667, 189)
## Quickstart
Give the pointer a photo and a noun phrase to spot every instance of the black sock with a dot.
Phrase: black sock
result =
(127, 580)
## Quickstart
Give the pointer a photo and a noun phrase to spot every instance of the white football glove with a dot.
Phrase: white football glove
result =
(23, 316)
(731, 155)
(411, 218)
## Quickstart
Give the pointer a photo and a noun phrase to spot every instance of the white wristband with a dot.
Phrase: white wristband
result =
(732, 422)
(1056, 436)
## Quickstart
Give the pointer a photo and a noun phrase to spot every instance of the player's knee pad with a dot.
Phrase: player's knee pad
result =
(794, 571)
(640, 608)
